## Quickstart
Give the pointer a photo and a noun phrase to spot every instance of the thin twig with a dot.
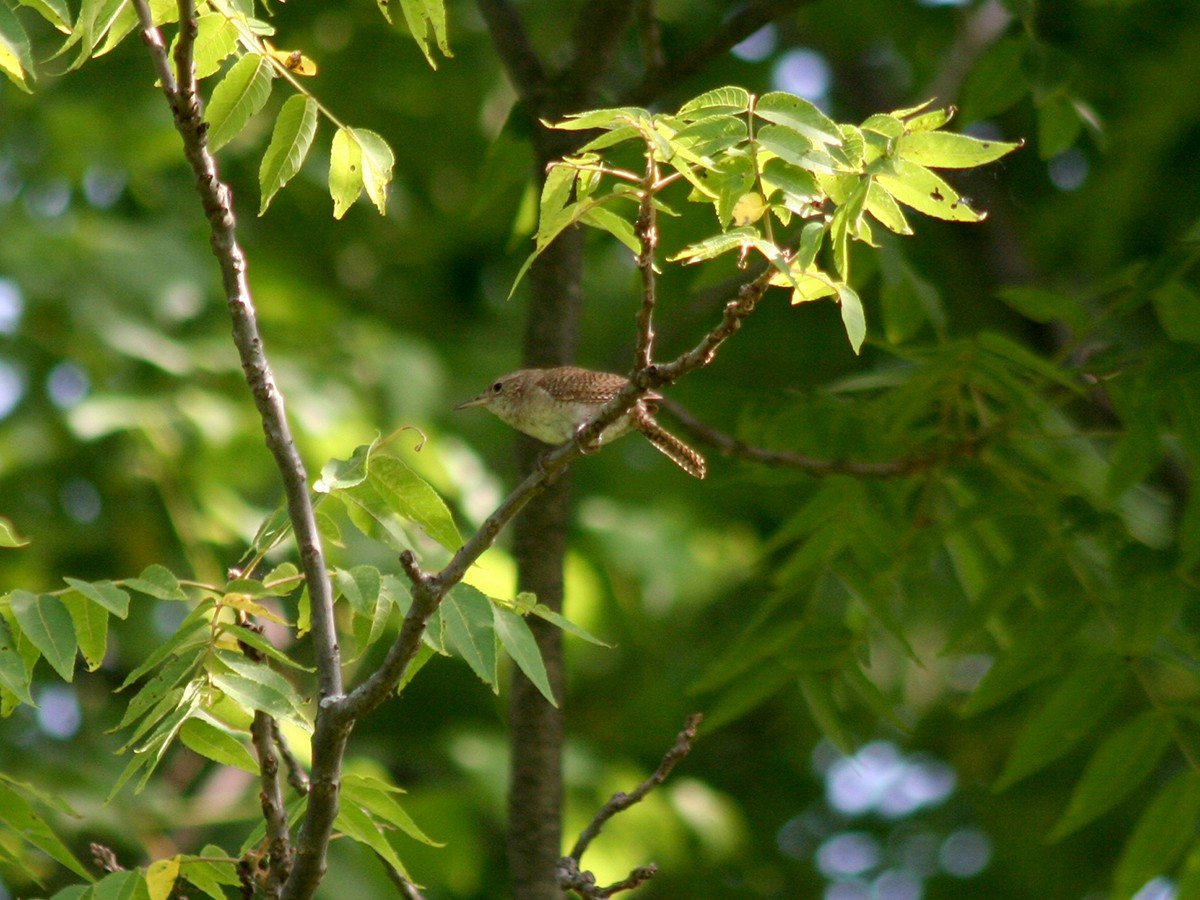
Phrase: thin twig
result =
(263, 733)
(646, 228)
(727, 445)
(570, 875)
(270, 797)
(296, 776)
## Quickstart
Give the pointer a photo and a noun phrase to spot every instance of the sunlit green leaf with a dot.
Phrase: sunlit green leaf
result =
(291, 139)
(947, 150)
(423, 17)
(345, 171)
(720, 101)
(799, 115)
(918, 187)
(239, 95)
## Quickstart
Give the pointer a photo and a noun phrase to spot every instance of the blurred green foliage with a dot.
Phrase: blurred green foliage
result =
(1025, 612)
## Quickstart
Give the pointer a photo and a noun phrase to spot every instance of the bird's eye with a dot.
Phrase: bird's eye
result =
(497, 387)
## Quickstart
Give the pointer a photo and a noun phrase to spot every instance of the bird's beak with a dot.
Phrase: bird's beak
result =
(481, 400)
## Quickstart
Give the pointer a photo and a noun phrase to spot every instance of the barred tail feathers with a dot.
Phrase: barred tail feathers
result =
(672, 447)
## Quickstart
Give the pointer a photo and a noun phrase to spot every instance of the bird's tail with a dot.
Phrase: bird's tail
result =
(671, 447)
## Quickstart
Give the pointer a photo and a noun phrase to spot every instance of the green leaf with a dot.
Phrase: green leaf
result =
(1034, 653)
(47, 624)
(16, 56)
(798, 185)
(291, 139)
(799, 115)
(262, 645)
(104, 593)
(720, 101)
(1058, 124)
(712, 247)
(240, 94)
(918, 187)
(161, 876)
(1164, 832)
(377, 164)
(405, 492)
(209, 872)
(545, 612)
(153, 691)
(796, 148)
(256, 686)
(91, 627)
(360, 586)
(947, 150)
(517, 638)
(53, 11)
(1044, 305)
(345, 171)
(23, 819)
(192, 631)
(470, 631)
(203, 734)
(124, 885)
(13, 673)
(1080, 701)
(702, 140)
(1119, 765)
(1177, 308)
(622, 229)
(422, 17)
(158, 582)
(817, 689)
(607, 119)
(853, 316)
(94, 20)
(353, 821)
(996, 81)
(342, 474)
(376, 797)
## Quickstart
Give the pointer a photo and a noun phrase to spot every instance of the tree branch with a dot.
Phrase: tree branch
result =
(521, 61)
(731, 32)
(179, 88)
(599, 28)
(571, 877)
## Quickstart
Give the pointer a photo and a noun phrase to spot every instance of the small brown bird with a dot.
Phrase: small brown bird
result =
(553, 404)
